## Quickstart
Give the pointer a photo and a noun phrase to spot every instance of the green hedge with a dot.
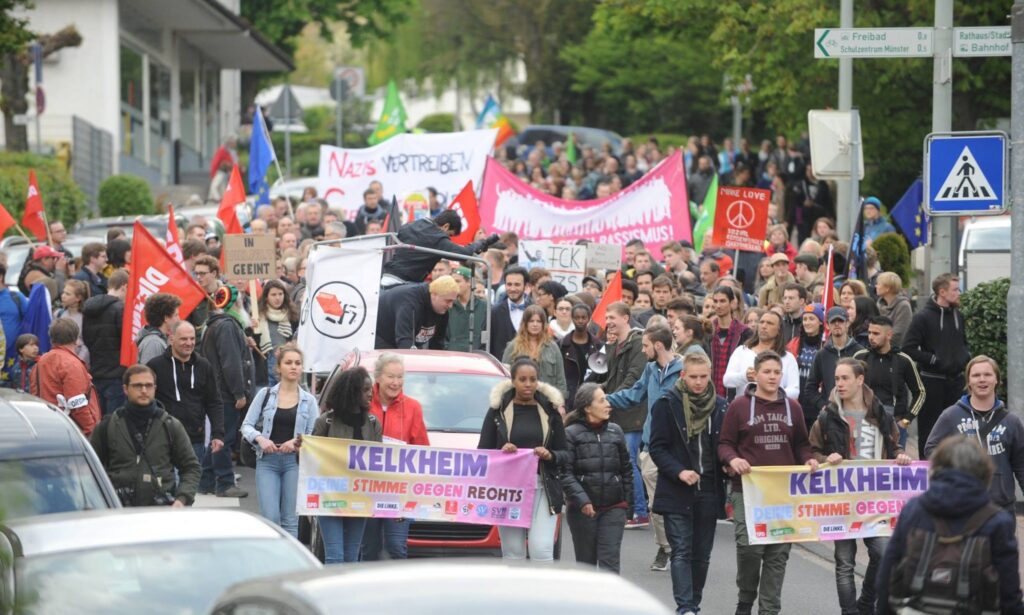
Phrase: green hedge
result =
(125, 195)
(894, 255)
(437, 122)
(62, 198)
(984, 310)
(664, 139)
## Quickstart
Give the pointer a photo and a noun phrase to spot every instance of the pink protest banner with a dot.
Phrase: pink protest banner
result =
(654, 208)
(354, 478)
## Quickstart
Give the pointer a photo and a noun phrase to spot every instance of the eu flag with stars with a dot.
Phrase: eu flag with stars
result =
(909, 215)
(261, 156)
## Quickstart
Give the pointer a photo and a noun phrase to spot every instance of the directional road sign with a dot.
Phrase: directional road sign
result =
(984, 41)
(966, 173)
(873, 42)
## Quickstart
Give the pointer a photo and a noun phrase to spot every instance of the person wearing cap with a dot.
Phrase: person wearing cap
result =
(778, 242)
(593, 286)
(806, 345)
(807, 266)
(772, 290)
(875, 223)
(822, 378)
(42, 268)
(466, 308)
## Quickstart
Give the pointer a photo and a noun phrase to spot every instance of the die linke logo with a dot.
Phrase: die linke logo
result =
(339, 310)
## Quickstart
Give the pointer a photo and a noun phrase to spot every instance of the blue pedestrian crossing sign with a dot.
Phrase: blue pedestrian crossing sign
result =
(966, 173)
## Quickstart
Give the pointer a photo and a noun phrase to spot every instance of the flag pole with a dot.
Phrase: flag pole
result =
(22, 232)
(277, 164)
(49, 238)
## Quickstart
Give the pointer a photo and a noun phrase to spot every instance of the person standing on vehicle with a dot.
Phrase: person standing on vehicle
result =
(401, 420)
(415, 315)
(937, 342)
(276, 419)
(762, 413)
(436, 234)
(346, 415)
(101, 331)
(523, 414)
(141, 447)
(186, 386)
(690, 492)
(597, 479)
(61, 377)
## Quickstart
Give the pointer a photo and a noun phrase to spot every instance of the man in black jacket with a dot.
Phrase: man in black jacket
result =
(507, 314)
(822, 378)
(891, 375)
(225, 347)
(101, 332)
(415, 315)
(937, 341)
(187, 387)
(414, 265)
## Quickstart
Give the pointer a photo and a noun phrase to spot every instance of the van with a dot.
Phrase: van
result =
(984, 251)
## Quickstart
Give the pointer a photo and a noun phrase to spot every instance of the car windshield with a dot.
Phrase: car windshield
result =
(48, 485)
(990, 239)
(179, 578)
(451, 402)
(16, 256)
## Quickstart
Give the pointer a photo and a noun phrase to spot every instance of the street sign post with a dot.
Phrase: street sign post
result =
(873, 42)
(984, 42)
(966, 173)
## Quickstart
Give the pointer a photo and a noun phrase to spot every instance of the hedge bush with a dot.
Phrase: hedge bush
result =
(125, 195)
(62, 198)
(437, 122)
(984, 310)
(894, 255)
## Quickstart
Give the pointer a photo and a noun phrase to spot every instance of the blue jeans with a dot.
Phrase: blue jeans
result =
(633, 439)
(271, 368)
(392, 534)
(846, 584)
(342, 537)
(691, 537)
(218, 470)
(111, 394)
(277, 482)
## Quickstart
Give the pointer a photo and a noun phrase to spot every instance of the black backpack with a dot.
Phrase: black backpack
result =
(942, 573)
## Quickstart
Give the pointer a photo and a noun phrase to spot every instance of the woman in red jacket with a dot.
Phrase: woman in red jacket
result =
(402, 419)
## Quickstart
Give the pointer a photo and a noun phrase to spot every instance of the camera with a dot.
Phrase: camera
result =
(163, 499)
(126, 495)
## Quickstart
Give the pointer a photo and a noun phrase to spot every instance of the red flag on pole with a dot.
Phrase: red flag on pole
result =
(34, 218)
(828, 296)
(233, 197)
(611, 294)
(173, 243)
(6, 221)
(466, 205)
(153, 271)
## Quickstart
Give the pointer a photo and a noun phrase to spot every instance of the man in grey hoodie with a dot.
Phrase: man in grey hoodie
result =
(980, 414)
(161, 311)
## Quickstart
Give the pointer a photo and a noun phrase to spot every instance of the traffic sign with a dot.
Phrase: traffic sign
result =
(354, 79)
(984, 41)
(966, 173)
(873, 42)
(741, 218)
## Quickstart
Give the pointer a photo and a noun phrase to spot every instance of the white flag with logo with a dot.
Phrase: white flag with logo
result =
(339, 311)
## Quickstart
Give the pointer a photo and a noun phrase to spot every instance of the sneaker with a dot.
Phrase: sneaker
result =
(637, 522)
(233, 492)
(744, 608)
(660, 561)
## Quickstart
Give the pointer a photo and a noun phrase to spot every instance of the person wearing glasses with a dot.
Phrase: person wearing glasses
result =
(206, 273)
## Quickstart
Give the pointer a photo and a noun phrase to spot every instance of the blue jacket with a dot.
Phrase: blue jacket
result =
(653, 383)
(263, 415)
(879, 226)
(12, 309)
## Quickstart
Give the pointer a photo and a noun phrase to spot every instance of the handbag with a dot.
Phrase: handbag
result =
(247, 452)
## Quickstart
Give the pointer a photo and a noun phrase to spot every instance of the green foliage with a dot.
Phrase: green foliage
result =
(894, 255)
(319, 119)
(665, 139)
(984, 310)
(62, 198)
(125, 195)
(14, 32)
(437, 122)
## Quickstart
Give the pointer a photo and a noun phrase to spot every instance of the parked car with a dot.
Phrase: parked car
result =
(98, 227)
(293, 188)
(139, 560)
(441, 588)
(17, 250)
(46, 464)
(984, 250)
(583, 135)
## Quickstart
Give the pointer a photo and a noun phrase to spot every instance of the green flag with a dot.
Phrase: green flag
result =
(392, 118)
(570, 149)
(707, 215)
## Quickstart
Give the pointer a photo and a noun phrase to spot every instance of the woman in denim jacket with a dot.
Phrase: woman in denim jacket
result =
(275, 420)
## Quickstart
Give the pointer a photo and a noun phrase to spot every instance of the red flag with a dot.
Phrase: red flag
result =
(173, 243)
(233, 196)
(153, 271)
(611, 294)
(467, 206)
(6, 221)
(34, 218)
(828, 296)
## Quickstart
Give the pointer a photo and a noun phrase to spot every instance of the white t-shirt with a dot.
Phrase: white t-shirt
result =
(742, 359)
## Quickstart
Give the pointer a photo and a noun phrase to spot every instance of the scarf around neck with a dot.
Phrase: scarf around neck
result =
(284, 328)
(697, 409)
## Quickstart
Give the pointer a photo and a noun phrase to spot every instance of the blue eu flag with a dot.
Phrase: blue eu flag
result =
(38, 316)
(910, 216)
(261, 156)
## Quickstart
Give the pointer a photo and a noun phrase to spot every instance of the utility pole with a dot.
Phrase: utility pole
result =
(1015, 299)
(844, 218)
(942, 250)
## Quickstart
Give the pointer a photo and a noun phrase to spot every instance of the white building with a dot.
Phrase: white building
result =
(153, 88)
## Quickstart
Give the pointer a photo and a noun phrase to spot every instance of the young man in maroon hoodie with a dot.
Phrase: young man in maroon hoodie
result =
(762, 427)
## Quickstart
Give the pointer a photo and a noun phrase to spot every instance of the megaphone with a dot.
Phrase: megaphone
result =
(598, 361)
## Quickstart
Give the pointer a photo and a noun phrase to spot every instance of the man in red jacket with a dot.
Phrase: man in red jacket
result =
(62, 379)
(762, 427)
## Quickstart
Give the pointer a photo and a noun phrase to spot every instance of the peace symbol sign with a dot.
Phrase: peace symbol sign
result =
(740, 214)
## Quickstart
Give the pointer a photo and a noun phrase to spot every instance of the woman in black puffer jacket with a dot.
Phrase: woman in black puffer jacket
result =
(598, 480)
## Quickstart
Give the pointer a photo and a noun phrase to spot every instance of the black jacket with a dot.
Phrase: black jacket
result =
(97, 283)
(502, 329)
(102, 317)
(894, 379)
(574, 372)
(365, 216)
(495, 430)
(937, 341)
(406, 319)
(626, 363)
(831, 433)
(670, 450)
(224, 346)
(822, 378)
(415, 265)
(189, 393)
(599, 470)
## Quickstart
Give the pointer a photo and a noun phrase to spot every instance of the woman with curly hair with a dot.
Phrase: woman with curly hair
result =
(534, 341)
